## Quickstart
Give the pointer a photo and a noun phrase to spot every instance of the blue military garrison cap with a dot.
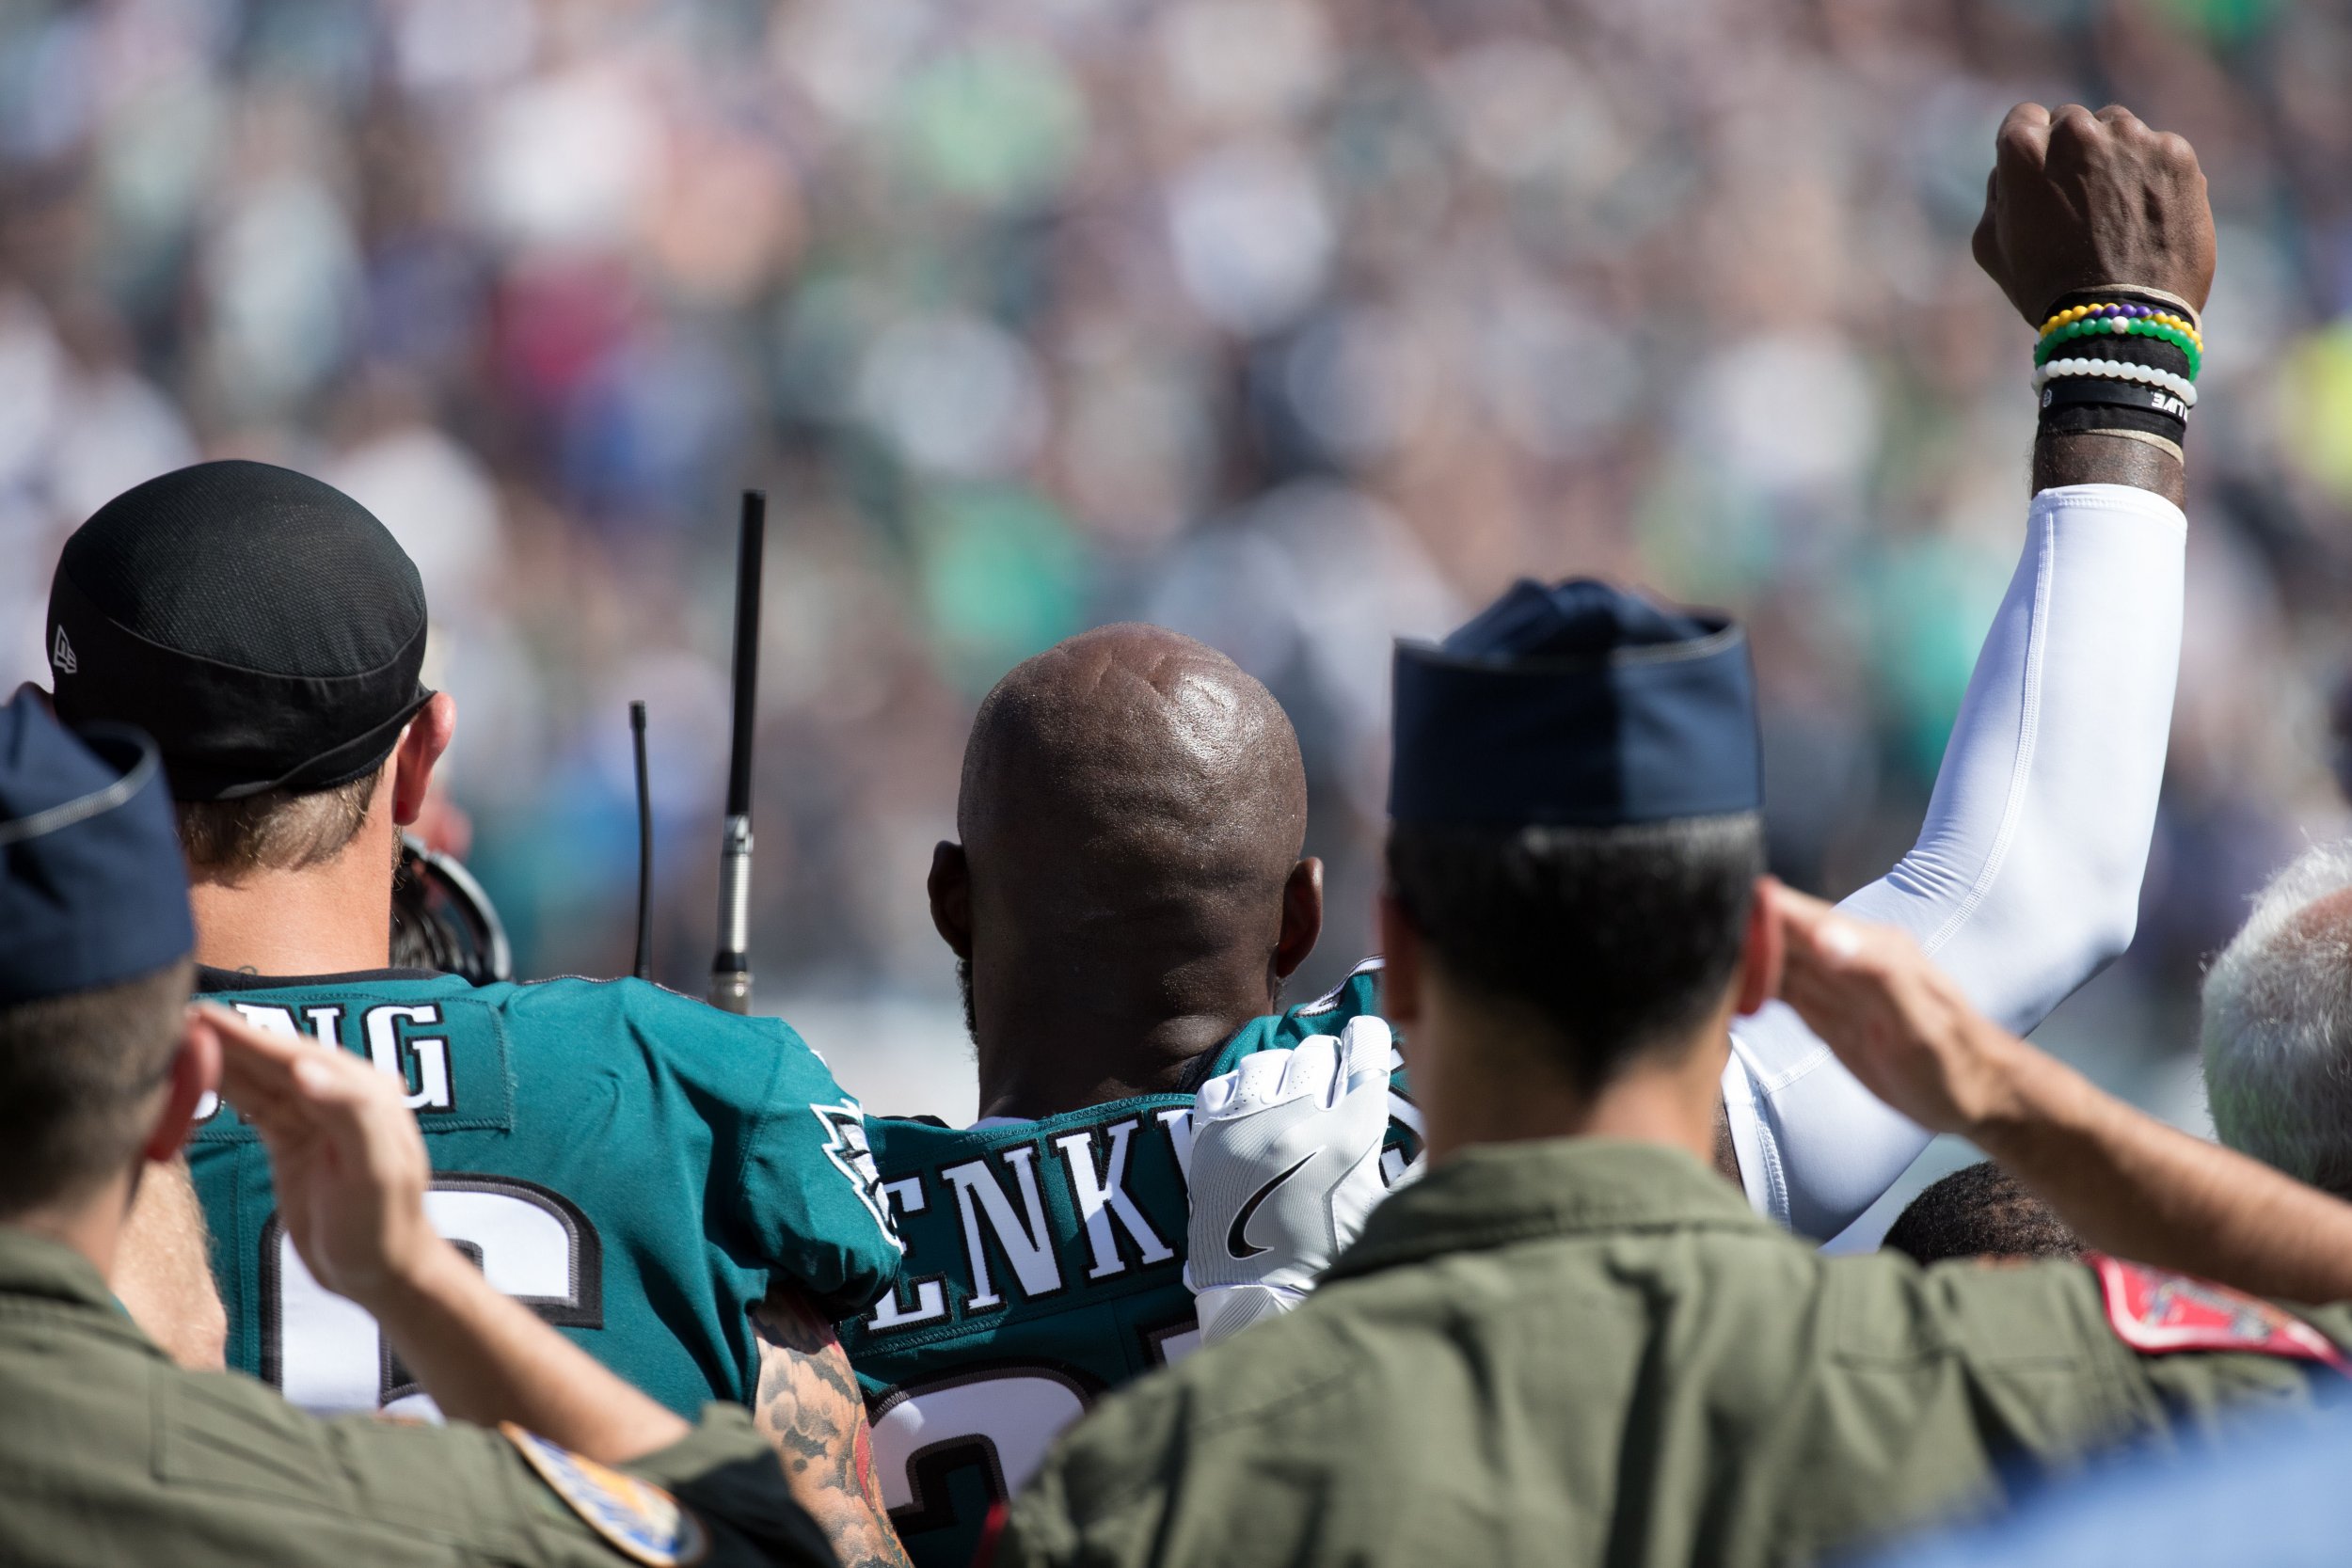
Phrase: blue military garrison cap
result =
(93, 890)
(1577, 704)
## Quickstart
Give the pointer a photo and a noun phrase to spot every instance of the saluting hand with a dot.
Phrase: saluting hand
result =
(1899, 1023)
(345, 1156)
(2078, 199)
(351, 1173)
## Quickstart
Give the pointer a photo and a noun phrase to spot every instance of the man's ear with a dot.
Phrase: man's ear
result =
(1400, 966)
(950, 886)
(195, 1072)
(1302, 918)
(1761, 949)
(421, 744)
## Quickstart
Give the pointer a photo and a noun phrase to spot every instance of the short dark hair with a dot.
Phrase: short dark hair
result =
(78, 1076)
(1980, 1211)
(1621, 939)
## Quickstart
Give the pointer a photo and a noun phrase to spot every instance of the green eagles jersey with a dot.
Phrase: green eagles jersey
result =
(1044, 1266)
(633, 1165)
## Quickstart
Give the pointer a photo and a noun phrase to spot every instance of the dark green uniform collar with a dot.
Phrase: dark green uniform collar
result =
(1493, 1195)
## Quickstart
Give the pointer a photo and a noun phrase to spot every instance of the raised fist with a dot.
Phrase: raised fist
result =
(2078, 199)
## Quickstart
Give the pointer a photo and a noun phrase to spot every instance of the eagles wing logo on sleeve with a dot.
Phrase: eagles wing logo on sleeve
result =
(2156, 1311)
(846, 1146)
(635, 1517)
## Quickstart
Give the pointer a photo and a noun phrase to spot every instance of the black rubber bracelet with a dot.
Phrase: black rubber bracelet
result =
(2092, 416)
(2074, 390)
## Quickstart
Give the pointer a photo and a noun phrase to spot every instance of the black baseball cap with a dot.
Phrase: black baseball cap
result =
(262, 626)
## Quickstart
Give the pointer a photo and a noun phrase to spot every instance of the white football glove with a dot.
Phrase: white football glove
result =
(1285, 1166)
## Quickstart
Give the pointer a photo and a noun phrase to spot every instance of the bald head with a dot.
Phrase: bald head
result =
(1128, 891)
(1128, 770)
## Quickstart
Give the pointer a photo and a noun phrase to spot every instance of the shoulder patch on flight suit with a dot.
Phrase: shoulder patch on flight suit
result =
(640, 1520)
(2156, 1312)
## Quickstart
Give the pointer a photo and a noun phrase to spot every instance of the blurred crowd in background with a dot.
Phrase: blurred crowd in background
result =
(1295, 325)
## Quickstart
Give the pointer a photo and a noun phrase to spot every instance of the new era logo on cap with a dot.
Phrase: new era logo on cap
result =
(62, 655)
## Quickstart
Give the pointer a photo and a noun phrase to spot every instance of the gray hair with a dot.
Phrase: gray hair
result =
(2278, 1025)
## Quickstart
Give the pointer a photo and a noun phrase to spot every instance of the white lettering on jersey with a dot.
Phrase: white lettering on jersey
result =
(1028, 1247)
(1179, 1125)
(931, 1295)
(1102, 1198)
(325, 1023)
(430, 1053)
(269, 1017)
(263, 1016)
(852, 1155)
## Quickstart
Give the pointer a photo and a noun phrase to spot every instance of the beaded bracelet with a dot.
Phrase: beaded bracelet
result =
(2120, 326)
(2111, 312)
(2142, 293)
(2146, 375)
(2151, 352)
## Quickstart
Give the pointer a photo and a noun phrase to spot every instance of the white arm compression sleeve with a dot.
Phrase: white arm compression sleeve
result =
(2024, 882)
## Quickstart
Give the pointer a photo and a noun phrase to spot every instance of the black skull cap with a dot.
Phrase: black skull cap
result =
(261, 625)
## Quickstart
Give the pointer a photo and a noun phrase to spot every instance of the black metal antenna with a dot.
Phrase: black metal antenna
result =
(731, 968)
(644, 842)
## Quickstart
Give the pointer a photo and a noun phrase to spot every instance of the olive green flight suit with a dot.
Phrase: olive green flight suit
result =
(112, 1456)
(1587, 1352)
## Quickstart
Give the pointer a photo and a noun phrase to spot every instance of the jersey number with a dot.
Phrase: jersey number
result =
(1003, 1420)
(325, 1354)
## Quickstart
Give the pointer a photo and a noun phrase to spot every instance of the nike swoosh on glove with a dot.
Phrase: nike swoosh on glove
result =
(1285, 1166)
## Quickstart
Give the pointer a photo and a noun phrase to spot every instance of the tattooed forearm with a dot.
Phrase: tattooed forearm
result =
(808, 1405)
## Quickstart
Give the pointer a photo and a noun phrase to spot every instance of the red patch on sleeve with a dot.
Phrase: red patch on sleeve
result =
(990, 1532)
(2157, 1312)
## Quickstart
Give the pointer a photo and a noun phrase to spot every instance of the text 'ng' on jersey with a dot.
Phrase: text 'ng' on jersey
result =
(635, 1166)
